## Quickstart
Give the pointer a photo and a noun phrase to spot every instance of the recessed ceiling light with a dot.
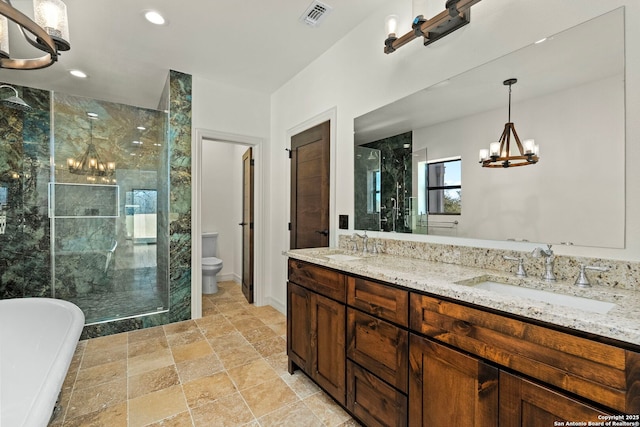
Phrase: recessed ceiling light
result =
(154, 17)
(78, 73)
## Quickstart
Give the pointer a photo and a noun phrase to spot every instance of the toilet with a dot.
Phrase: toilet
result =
(210, 264)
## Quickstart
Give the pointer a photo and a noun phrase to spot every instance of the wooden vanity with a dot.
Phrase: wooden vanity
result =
(394, 356)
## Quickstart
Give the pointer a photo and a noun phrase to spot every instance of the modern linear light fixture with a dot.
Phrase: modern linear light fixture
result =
(49, 33)
(455, 15)
(499, 153)
(90, 163)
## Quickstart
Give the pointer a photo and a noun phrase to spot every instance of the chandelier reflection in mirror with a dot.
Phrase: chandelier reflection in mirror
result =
(499, 153)
(48, 32)
(89, 163)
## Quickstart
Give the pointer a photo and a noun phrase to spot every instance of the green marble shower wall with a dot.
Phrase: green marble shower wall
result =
(25, 248)
(25, 269)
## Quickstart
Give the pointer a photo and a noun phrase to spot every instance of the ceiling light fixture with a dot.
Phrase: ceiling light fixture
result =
(89, 163)
(49, 28)
(78, 73)
(154, 17)
(499, 153)
(455, 15)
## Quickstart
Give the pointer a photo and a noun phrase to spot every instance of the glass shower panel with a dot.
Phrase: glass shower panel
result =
(109, 162)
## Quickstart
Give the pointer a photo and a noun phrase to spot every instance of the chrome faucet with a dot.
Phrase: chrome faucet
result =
(521, 271)
(365, 239)
(548, 262)
(583, 281)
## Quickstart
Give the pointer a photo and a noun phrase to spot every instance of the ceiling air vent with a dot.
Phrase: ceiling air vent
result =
(315, 13)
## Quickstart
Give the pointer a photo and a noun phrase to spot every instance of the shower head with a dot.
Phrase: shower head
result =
(14, 101)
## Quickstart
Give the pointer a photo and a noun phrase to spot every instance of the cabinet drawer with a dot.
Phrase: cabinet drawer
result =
(379, 346)
(600, 372)
(321, 280)
(380, 300)
(373, 401)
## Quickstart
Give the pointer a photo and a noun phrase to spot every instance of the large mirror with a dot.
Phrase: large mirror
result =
(417, 164)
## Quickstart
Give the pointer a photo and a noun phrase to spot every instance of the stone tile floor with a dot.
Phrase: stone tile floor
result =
(228, 368)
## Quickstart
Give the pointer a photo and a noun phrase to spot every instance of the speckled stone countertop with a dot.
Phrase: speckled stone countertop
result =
(621, 323)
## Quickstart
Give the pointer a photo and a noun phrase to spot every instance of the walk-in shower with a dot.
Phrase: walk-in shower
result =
(84, 230)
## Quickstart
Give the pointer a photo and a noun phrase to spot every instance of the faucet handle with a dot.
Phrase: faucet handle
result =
(521, 272)
(582, 280)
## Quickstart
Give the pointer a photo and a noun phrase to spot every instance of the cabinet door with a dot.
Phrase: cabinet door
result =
(449, 388)
(373, 401)
(298, 327)
(327, 340)
(526, 404)
(378, 346)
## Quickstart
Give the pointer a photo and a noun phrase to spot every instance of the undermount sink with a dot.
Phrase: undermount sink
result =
(342, 257)
(572, 301)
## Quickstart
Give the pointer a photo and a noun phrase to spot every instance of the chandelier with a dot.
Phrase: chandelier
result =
(455, 16)
(499, 153)
(90, 163)
(49, 33)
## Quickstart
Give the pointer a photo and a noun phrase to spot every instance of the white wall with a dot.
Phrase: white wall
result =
(539, 203)
(221, 206)
(355, 77)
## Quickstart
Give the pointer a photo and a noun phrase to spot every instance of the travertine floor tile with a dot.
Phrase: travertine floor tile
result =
(226, 411)
(183, 419)
(100, 374)
(207, 389)
(252, 374)
(95, 398)
(295, 415)
(112, 416)
(268, 397)
(156, 406)
(192, 350)
(151, 381)
(325, 408)
(197, 368)
(228, 368)
(149, 361)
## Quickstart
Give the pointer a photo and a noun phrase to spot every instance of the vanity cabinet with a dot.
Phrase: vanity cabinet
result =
(316, 326)
(377, 352)
(524, 403)
(447, 387)
(394, 357)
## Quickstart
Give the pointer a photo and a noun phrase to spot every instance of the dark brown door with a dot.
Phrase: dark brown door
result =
(310, 188)
(450, 388)
(526, 404)
(247, 225)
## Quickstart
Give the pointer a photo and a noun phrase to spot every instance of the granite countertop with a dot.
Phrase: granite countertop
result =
(622, 322)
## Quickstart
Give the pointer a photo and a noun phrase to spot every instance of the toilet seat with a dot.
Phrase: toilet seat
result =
(211, 262)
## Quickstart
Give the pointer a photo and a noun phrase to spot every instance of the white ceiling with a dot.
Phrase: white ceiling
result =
(252, 44)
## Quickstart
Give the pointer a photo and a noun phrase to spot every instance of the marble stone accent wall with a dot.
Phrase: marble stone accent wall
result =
(177, 215)
(395, 154)
(622, 274)
(25, 269)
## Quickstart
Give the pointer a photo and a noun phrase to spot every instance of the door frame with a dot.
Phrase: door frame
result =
(331, 116)
(202, 135)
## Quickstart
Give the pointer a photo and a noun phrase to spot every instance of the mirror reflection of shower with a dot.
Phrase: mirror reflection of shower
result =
(383, 172)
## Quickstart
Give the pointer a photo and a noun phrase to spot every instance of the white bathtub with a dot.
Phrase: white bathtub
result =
(38, 337)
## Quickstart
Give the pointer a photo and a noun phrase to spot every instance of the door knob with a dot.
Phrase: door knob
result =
(323, 232)
(243, 224)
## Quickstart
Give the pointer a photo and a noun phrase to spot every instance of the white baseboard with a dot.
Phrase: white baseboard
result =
(282, 308)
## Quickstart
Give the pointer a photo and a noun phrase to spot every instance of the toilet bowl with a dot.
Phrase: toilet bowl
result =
(211, 265)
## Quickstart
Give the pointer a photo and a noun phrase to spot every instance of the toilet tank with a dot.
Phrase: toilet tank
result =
(210, 244)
